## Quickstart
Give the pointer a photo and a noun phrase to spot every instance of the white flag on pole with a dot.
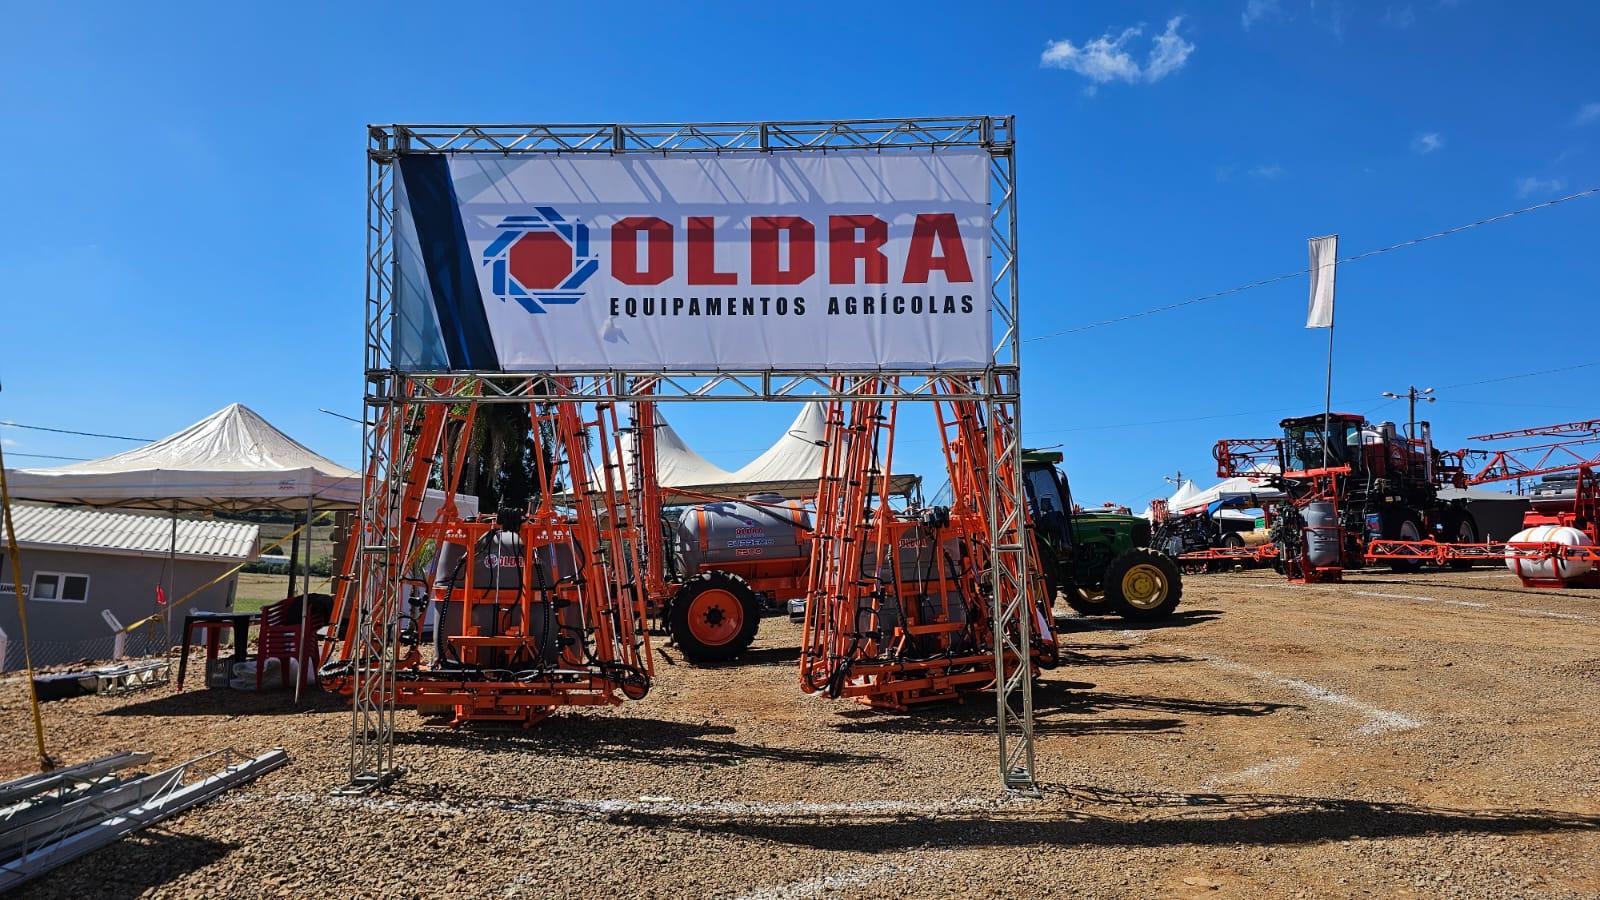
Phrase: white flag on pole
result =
(1324, 263)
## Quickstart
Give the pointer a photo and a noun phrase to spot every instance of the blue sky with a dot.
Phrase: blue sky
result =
(185, 211)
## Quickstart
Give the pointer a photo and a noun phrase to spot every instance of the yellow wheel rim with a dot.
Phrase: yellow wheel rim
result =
(1144, 587)
(1085, 595)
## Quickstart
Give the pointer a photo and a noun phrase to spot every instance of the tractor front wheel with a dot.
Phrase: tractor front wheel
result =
(1086, 602)
(1143, 585)
(714, 617)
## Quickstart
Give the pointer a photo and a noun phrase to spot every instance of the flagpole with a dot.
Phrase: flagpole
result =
(1327, 399)
(1319, 314)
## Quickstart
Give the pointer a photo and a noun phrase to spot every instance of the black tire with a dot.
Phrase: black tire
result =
(1232, 540)
(1461, 529)
(1143, 585)
(695, 626)
(1403, 526)
(1085, 602)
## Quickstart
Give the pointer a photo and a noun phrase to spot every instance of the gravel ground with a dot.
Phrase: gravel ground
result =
(1393, 736)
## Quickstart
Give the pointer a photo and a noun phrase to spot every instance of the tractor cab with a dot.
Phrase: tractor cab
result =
(1100, 561)
(1303, 442)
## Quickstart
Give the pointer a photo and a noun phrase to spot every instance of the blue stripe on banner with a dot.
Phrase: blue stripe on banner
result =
(456, 298)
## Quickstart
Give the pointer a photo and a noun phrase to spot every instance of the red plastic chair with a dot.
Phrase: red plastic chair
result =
(283, 638)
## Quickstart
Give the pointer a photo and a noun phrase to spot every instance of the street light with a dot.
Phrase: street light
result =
(1412, 395)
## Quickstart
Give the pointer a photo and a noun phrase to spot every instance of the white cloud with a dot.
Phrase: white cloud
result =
(1263, 171)
(1426, 143)
(10, 442)
(1589, 112)
(1399, 16)
(1535, 185)
(1256, 10)
(1106, 58)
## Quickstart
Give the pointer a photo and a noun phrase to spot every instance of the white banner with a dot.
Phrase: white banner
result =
(843, 260)
(1324, 265)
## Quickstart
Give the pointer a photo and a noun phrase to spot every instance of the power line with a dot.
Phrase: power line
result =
(1586, 365)
(47, 456)
(115, 437)
(1207, 298)
(1262, 412)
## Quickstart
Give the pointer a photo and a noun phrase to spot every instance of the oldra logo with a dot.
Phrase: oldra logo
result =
(540, 259)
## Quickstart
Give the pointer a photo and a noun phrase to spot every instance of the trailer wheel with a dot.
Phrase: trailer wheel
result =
(1143, 585)
(714, 617)
(1404, 527)
(1232, 540)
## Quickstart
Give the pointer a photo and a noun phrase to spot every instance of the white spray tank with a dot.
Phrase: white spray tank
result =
(1523, 562)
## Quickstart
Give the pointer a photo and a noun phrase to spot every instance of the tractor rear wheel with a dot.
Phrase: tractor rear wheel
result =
(1143, 585)
(714, 617)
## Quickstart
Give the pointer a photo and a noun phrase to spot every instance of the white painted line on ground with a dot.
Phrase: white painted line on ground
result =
(1421, 598)
(1258, 773)
(663, 805)
(1378, 721)
(1519, 610)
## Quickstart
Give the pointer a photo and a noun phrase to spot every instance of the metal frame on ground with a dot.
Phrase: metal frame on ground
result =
(996, 386)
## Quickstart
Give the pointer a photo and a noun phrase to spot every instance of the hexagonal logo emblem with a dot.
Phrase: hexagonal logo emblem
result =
(540, 260)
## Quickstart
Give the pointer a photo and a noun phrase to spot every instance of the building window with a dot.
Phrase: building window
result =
(60, 587)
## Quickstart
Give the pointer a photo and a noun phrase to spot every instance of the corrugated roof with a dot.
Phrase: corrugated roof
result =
(100, 531)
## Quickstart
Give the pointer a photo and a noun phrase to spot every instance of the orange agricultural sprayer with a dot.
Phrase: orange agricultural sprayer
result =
(533, 608)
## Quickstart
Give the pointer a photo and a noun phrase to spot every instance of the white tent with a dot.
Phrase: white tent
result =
(1179, 500)
(790, 467)
(677, 464)
(796, 456)
(1239, 488)
(231, 460)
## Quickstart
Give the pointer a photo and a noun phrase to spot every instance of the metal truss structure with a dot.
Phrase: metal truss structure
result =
(390, 392)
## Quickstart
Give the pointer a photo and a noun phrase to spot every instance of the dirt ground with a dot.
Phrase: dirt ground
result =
(1393, 736)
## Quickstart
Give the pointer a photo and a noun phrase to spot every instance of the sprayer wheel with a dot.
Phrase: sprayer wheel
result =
(714, 617)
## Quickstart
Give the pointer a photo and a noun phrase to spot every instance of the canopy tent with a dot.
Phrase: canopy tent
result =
(232, 460)
(789, 468)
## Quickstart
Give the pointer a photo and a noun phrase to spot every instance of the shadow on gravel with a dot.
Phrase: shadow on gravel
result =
(203, 702)
(143, 861)
(1128, 820)
(617, 739)
(1071, 657)
(1070, 708)
(1183, 618)
(761, 656)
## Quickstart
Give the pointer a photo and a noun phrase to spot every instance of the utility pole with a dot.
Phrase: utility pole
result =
(1412, 395)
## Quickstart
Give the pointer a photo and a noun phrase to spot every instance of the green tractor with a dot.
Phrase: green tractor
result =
(1099, 562)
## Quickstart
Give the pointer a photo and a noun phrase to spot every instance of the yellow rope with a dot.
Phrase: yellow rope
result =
(45, 762)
